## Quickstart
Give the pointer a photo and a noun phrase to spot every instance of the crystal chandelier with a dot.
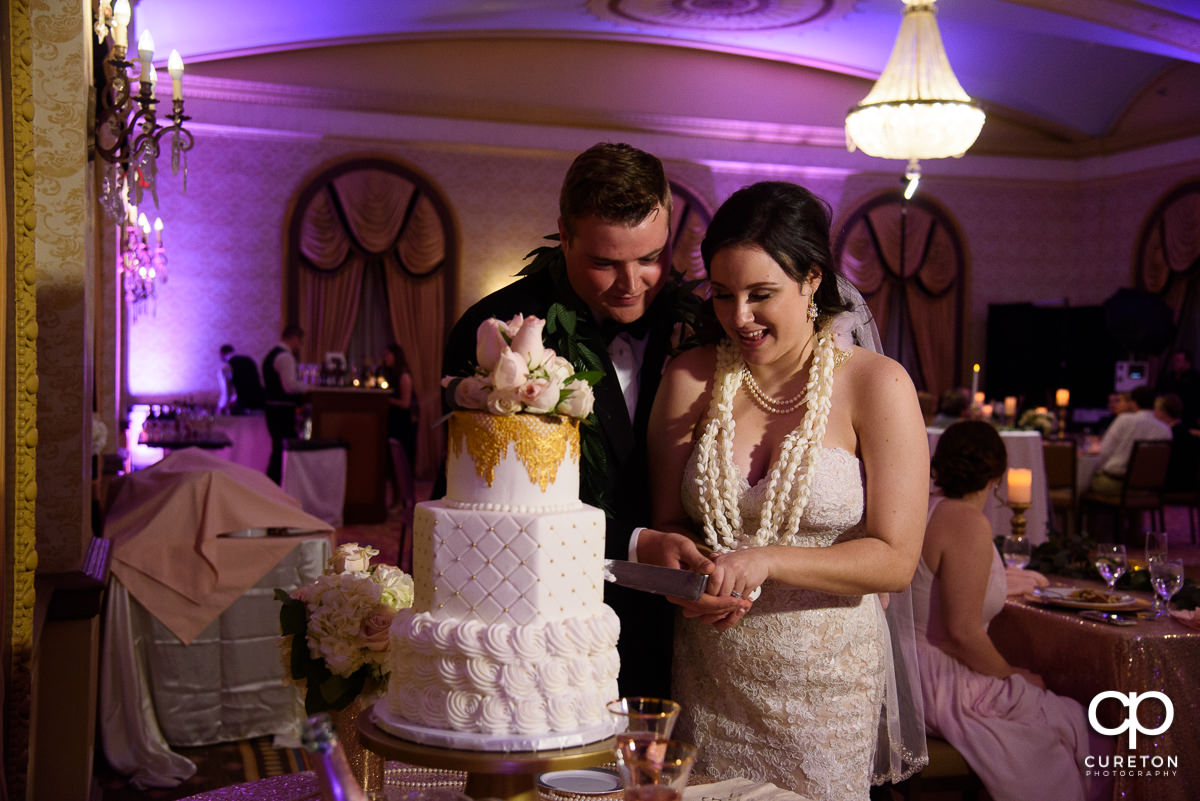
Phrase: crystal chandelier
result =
(142, 261)
(917, 109)
(128, 132)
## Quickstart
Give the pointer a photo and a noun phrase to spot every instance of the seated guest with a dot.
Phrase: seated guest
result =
(1183, 467)
(1181, 379)
(1116, 445)
(241, 388)
(954, 405)
(1026, 743)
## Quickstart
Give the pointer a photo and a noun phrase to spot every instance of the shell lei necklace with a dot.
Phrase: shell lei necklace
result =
(791, 477)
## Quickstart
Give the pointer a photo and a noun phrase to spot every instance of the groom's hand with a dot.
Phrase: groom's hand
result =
(671, 549)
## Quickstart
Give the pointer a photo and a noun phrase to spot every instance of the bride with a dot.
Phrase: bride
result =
(805, 467)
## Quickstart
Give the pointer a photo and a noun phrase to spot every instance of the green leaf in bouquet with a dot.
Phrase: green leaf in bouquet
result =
(590, 376)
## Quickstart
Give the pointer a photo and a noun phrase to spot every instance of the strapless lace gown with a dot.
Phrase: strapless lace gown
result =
(792, 694)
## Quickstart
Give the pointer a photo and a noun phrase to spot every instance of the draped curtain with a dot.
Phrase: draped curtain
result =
(905, 258)
(1169, 261)
(366, 216)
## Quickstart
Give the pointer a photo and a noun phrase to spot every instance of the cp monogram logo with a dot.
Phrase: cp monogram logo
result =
(1131, 723)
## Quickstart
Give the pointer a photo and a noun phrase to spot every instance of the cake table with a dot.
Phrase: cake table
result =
(490, 774)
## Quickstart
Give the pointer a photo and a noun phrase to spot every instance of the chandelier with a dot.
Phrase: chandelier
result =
(142, 261)
(128, 131)
(917, 109)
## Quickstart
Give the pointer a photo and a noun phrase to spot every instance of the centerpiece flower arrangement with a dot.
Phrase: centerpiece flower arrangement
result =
(335, 630)
(516, 373)
(1038, 420)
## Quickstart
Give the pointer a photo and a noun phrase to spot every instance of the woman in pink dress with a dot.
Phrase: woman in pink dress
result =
(1025, 742)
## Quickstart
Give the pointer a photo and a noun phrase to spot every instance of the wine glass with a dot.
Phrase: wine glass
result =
(1110, 562)
(655, 769)
(1166, 577)
(1156, 551)
(641, 718)
(1016, 551)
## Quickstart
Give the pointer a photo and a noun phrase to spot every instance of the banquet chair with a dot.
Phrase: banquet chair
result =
(947, 772)
(1059, 458)
(1141, 489)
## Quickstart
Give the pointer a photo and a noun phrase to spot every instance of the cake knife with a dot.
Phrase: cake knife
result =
(652, 578)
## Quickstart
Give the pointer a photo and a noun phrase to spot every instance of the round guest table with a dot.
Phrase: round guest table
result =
(490, 774)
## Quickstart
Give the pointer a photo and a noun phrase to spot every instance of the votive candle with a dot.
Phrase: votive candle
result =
(979, 398)
(1020, 485)
(987, 411)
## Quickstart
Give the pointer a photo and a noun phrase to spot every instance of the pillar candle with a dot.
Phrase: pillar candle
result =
(1010, 406)
(1062, 397)
(978, 398)
(987, 411)
(1020, 484)
(974, 379)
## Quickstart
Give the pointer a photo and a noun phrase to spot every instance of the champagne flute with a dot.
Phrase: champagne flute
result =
(655, 769)
(1110, 562)
(1166, 577)
(1017, 551)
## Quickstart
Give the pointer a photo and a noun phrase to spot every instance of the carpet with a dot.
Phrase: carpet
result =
(217, 766)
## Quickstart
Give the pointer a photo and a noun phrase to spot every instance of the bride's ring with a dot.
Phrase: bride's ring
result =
(736, 594)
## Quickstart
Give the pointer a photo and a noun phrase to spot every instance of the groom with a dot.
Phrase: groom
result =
(610, 282)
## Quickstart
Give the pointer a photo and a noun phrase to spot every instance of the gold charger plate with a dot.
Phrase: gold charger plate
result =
(1078, 598)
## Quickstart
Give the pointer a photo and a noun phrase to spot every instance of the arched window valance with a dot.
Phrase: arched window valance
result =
(1168, 260)
(907, 260)
(364, 215)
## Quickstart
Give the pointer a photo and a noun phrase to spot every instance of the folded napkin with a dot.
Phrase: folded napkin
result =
(1022, 581)
(740, 790)
(1188, 617)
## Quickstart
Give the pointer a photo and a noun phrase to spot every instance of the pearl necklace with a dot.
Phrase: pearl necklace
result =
(765, 401)
(788, 488)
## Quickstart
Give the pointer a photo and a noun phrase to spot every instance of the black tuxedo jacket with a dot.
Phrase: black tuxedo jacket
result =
(646, 620)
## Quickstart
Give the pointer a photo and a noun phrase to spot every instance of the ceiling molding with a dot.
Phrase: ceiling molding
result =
(1131, 16)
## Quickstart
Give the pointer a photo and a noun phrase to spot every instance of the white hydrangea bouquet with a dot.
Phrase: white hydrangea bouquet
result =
(335, 630)
(515, 372)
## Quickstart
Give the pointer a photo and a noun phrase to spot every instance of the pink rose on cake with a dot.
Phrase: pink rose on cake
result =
(516, 373)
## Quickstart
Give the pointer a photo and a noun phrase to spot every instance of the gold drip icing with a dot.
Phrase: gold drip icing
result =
(540, 443)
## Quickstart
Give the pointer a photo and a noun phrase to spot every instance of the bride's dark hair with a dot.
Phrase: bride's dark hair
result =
(968, 455)
(790, 224)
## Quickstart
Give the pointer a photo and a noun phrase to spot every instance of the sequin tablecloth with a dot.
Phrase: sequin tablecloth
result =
(1080, 658)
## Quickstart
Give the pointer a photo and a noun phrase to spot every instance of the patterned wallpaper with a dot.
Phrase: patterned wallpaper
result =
(61, 204)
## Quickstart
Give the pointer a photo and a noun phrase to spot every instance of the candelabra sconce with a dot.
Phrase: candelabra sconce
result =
(129, 132)
(1018, 518)
(143, 262)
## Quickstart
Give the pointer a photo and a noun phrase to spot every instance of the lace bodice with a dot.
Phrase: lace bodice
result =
(834, 508)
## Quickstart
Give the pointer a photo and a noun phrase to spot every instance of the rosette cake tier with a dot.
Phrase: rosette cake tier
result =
(508, 645)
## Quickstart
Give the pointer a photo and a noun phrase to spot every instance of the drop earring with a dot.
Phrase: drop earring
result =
(812, 309)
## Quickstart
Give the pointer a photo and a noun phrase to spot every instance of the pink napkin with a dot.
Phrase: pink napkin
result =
(1188, 617)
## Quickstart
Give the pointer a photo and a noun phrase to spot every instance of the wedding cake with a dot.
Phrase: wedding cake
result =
(508, 644)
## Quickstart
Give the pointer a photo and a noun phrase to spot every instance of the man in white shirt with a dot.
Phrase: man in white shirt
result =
(1117, 445)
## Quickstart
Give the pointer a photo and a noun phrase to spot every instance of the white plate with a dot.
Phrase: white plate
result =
(1061, 596)
(587, 781)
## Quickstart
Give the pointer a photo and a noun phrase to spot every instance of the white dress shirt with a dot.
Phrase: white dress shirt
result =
(627, 354)
(1117, 444)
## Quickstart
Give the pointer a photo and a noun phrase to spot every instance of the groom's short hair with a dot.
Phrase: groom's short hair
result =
(616, 183)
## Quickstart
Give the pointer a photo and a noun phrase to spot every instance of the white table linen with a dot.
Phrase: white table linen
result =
(228, 684)
(1024, 449)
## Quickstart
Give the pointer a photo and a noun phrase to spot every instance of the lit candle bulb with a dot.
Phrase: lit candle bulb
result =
(153, 77)
(121, 15)
(175, 68)
(158, 226)
(1020, 484)
(1041, 410)
(1062, 397)
(144, 224)
(145, 56)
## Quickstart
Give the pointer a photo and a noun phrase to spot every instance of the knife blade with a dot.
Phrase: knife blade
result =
(652, 578)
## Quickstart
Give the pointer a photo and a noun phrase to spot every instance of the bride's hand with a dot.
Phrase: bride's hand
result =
(721, 610)
(740, 572)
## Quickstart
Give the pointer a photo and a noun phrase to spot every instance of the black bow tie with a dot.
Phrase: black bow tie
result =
(638, 329)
